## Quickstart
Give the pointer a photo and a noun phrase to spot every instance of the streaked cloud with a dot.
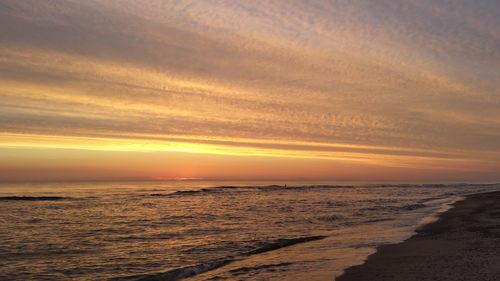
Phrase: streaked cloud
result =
(389, 83)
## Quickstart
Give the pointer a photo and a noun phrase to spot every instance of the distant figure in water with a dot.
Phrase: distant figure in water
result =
(285, 185)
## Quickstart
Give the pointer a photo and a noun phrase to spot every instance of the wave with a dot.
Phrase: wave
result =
(411, 207)
(243, 270)
(268, 188)
(281, 243)
(302, 187)
(330, 218)
(408, 207)
(198, 191)
(186, 192)
(185, 272)
(32, 198)
(189, 271)
(274, 187)
(378, 220)
(432, 185)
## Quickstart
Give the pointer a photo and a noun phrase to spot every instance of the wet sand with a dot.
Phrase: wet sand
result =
(464, 244)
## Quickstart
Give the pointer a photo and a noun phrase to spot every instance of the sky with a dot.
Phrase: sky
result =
(354, 90)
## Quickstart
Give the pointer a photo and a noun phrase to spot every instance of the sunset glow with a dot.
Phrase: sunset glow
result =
(339, 90)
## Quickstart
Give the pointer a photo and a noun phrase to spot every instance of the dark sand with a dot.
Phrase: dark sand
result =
(464, 244)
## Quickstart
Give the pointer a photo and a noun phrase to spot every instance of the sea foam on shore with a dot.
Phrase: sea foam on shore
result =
(463, 244)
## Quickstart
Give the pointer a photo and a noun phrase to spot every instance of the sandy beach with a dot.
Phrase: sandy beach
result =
(464, 244)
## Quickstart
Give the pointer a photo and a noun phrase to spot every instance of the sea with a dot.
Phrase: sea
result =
(208, 230)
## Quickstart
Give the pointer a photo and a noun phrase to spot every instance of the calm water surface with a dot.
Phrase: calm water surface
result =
(205, 230)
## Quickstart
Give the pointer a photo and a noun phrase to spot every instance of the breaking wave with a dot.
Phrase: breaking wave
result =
(32, 198)
(189, 271)
(281, 243)
(268, 188)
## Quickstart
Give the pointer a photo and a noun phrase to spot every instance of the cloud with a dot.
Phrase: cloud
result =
(408, 75)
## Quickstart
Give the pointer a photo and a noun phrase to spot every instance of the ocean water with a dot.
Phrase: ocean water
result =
(206, 230)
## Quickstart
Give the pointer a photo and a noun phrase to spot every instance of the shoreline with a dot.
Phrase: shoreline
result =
(462, 244)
